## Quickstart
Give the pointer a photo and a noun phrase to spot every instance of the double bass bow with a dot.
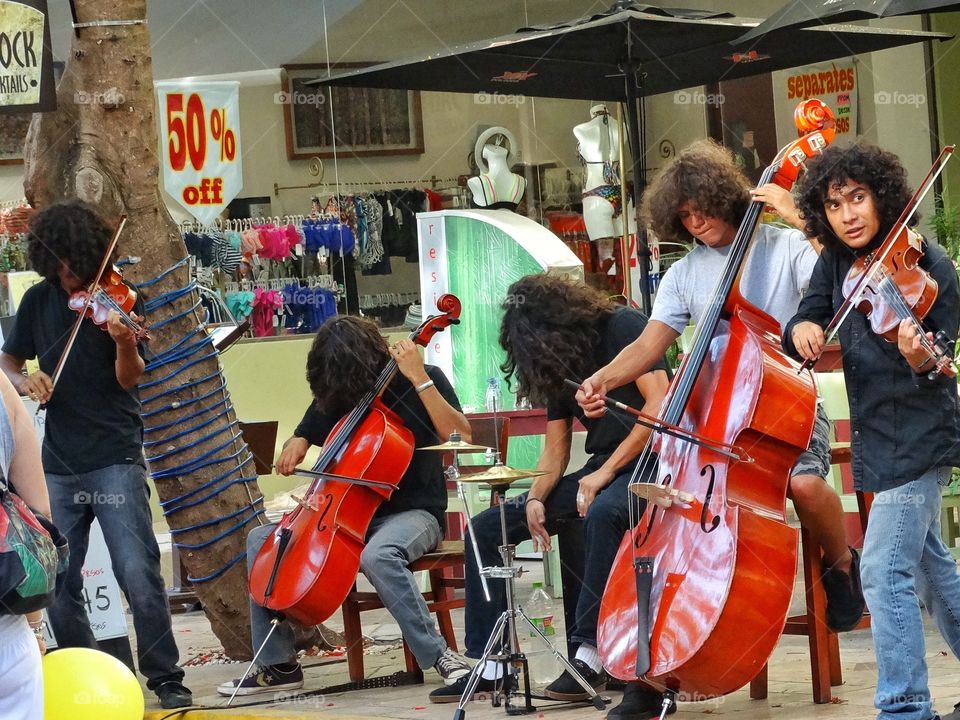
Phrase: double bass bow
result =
(308, 565)
(700, 589)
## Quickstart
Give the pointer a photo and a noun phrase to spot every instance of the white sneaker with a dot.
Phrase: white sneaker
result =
(452, 666)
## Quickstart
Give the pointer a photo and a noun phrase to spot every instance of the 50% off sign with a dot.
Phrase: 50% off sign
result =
(200, 145)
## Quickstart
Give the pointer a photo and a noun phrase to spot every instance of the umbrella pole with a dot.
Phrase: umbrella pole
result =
(624, 217)
(631, 71)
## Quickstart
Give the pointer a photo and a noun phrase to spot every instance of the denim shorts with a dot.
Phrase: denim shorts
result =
(815, 460)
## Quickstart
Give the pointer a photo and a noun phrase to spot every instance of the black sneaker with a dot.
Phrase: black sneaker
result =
(567, 688)
(172, 694)
(266, 679)
(639, 703)
(453, 693)
(451, 666)
(845, 603)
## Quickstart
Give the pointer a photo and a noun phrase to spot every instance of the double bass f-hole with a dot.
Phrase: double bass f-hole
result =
(715, 521)
(641, 537)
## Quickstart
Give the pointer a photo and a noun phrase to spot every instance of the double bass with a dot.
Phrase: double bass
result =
(308, 565)
(700, 589)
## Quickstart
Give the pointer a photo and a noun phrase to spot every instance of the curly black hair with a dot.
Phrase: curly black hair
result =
(344, 361)
(551, 330)
(705, 174)
(880, 171)
(68, 232)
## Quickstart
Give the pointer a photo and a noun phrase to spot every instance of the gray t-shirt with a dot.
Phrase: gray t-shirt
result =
(775, 278)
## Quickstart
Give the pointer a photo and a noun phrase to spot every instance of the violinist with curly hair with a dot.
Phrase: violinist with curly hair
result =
(93, 440)
(905, 424)
(553, 329)
(344, 362)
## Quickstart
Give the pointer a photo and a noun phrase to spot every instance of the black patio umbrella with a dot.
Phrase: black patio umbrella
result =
(807, 13)
(621, 55)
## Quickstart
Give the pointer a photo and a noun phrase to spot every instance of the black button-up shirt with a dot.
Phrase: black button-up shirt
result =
(902, 424)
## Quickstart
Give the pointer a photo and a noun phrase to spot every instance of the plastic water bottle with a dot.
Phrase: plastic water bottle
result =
(540, 660)
(491, 398)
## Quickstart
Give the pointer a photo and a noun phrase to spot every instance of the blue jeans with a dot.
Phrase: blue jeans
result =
(117, 496)
(608, 518)
(903, 558)
(393, 542)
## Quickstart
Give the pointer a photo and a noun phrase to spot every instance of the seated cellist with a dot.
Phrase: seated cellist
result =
(701, 197)
(347, 355)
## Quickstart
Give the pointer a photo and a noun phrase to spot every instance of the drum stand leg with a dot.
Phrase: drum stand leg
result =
(504, 637)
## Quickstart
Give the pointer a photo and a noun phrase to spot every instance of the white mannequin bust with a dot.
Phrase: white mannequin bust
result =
(496, 186)
(603, 209)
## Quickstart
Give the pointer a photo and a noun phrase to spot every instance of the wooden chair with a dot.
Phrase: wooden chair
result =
(824, 646)
(439, 565)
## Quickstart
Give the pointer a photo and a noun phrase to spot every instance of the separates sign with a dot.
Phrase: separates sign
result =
(835, 83)
(200, 145)
(26, 62)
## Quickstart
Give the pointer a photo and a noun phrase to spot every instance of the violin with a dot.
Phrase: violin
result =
(111, 294)
(889, 286)
(308, 565)
(97, 301)
(701, 585)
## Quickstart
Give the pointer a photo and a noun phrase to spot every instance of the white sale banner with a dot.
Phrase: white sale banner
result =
(200, 145)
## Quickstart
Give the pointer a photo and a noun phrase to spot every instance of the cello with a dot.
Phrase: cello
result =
(308, 565)
(701, 585)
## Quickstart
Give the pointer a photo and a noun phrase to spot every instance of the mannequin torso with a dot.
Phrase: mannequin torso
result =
(498, 187)
(598, 141)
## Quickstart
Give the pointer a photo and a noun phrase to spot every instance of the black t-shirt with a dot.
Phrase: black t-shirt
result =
(604, 434)
(423, 486)
(91, 421)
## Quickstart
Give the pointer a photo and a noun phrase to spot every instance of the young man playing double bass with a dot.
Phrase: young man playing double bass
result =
(344, 362)
(701, 197)
(905, 424)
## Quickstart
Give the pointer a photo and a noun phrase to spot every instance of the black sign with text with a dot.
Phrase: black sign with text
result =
(26, 61)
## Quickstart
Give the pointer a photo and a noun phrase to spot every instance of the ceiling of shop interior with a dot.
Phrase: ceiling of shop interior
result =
(212, 37)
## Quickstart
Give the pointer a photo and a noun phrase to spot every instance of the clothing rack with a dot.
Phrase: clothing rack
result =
(433, 181)
(383, 299)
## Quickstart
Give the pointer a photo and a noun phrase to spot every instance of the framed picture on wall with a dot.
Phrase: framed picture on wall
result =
(367, 121)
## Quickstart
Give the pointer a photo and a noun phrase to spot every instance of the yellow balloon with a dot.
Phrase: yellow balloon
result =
(84, 684)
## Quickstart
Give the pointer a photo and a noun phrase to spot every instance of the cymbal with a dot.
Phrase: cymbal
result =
(500, 475)
(456, 446)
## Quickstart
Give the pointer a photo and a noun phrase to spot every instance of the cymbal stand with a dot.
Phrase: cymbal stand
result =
(453, 473)
(504, 636)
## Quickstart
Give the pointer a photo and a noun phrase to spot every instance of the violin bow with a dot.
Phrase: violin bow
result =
(74, 331)
(726, 449)
(906, 215)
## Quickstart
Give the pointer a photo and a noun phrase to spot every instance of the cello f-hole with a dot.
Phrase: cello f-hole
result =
(327, 502)
(715, 521)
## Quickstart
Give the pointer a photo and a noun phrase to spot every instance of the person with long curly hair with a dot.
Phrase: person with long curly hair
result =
(93, 440)
(344, 362)
(552, 329)
(905, 422)
(701, 197)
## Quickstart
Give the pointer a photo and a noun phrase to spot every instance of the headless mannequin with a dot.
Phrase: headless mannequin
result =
(497, 187)
(603, 207)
